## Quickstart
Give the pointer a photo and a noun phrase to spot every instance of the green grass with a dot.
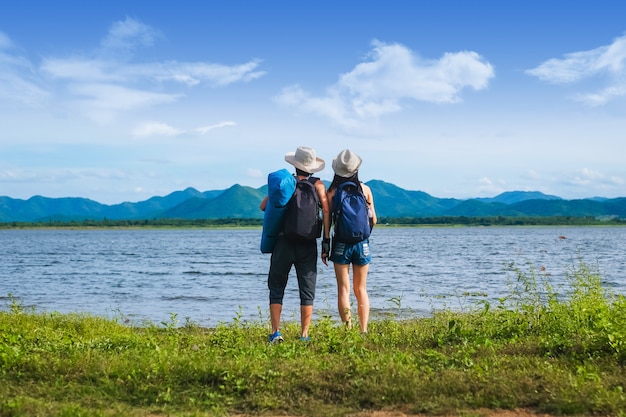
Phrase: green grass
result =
(560, 351)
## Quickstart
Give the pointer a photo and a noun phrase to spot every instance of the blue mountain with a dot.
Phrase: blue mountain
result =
(512, 197)
(242, 202)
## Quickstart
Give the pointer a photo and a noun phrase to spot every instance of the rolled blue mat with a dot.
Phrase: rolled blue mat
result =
(281, 185)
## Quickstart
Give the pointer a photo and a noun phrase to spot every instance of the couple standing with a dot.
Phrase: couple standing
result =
(303, 253)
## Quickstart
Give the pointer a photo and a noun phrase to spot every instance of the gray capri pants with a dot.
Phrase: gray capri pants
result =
(302, 255)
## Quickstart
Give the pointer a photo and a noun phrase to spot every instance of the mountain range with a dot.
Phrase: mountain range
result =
(243, 202)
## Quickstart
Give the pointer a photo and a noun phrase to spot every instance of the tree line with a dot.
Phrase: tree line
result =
(383, 221)
(501, 221)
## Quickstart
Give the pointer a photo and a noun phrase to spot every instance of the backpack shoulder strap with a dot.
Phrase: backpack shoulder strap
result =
(347, 184)
(313, 181)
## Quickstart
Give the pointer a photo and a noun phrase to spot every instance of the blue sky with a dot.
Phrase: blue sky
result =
(124, 100)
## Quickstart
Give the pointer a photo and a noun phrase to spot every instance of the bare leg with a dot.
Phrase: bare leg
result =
(275, 311)
(362, 298)
(342, 272)
(305, 319)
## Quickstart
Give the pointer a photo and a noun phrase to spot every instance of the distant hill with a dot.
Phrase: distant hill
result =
(237, 202)
(242, 202)
(393, 201)
(512, 197)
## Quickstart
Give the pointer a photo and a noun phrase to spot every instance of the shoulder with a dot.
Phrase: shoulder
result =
(367, 192)
(319, 185)
(317, 182)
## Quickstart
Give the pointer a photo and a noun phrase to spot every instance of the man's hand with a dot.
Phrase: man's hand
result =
(325, 250)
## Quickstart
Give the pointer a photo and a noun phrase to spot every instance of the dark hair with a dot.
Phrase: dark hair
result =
(302, 173)
(337, 180)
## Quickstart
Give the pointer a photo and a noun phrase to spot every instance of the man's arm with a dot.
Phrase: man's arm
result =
(321, 191)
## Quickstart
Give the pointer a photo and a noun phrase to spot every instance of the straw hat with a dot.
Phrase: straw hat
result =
(347, 163)
(304, 158)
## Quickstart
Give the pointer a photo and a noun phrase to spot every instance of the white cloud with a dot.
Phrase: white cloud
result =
(254, 173)
(155, 129)
(489, 187)
(194, 73)
(607, 61)
(18, 83)
(603, 96)
(101, 102)
(103, 82)
(6, 174)
(205, 129)
(117, 97)
(81, 69)
(565, 184)
(333, 105)
(5, 41)
(588, 179)
(572, 67)
(585, 177)
(393, 74)
(127, 35)
(533, 175)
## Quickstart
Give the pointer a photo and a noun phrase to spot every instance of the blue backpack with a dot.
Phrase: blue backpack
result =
(303, 220)
(350, 214)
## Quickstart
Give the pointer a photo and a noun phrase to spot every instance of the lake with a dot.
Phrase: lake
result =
(212, 276)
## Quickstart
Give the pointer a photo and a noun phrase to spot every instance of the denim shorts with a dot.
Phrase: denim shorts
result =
(346, 253)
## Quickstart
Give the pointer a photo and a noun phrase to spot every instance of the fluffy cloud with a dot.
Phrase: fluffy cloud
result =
(392, 74)
(605, 63)
(588, 176)
(127, 35)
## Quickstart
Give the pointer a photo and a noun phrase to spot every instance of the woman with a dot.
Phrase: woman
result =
(346, 167)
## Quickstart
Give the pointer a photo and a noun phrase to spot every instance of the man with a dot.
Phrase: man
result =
(301, 253)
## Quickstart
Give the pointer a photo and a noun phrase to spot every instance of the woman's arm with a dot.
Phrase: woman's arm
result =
(369, 197)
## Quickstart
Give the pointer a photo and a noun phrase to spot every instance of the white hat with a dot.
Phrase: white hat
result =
(347, 163)
(304, 158)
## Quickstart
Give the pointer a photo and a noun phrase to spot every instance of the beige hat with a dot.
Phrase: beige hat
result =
(347, 163)
(304, 158)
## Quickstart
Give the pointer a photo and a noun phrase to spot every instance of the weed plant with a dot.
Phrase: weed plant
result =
(552, 351)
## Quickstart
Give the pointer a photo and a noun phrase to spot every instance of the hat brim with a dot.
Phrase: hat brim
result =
(315, 167)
